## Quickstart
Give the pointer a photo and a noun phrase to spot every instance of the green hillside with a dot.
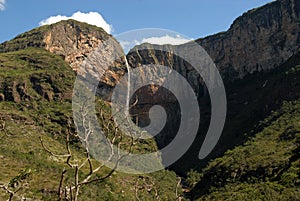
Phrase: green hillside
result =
(267, 165)
(35, 90)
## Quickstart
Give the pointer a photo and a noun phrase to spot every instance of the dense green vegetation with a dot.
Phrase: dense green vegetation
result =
(267, 167)
(36, 91)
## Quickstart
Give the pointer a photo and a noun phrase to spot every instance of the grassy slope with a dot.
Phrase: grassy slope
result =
(37, 86)
(267, 165)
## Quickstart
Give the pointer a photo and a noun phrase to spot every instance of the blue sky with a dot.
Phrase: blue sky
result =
(193, 18)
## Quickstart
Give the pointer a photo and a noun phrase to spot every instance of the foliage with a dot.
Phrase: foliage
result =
(192, 178)
(28, 114)
(266, 167)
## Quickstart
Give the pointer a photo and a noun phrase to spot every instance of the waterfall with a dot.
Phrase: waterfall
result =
(128, 86)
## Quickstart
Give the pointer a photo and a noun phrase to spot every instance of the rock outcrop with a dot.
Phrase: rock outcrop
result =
(76, 42)
(259, 40)
(73, 41)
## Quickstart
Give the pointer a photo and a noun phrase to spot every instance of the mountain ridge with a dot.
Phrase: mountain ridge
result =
(259, 40)
(35, 100)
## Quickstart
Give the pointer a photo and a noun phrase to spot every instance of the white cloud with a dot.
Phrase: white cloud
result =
(92, 18)
(167, 39)
(2, 4)
(53, 19)
(158, 40)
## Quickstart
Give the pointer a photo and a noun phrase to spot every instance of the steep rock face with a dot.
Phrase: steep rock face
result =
(259, 40)
(73, 41)
(149, 54)
(76, 42)
(143, 57)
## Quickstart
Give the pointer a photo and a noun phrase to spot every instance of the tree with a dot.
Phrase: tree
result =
(70, 190)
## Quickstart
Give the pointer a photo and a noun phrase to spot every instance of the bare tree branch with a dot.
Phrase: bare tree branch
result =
(52, 153)
(71, 191)
(60, 188)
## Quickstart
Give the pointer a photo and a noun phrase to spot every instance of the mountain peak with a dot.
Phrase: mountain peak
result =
(68, 38)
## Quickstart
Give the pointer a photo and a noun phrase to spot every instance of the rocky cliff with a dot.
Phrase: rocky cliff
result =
(259, 40)
(76, 42)
(251, 57)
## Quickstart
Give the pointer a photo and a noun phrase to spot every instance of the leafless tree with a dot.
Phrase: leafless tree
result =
(70, 191)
